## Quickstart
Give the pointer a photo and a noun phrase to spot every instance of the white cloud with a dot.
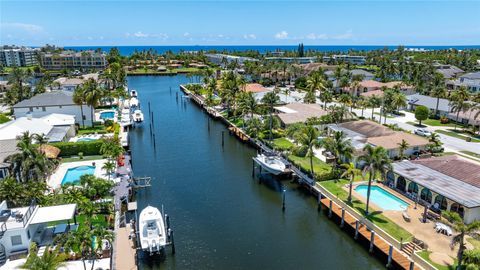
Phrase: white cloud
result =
(139, 34)
(26, 27)
(346, 35)
(314, 36)
(186, 34)
(249, 36)
(281, 35)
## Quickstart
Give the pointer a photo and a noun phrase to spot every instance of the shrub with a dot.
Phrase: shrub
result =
(444, 120)
(88, 148)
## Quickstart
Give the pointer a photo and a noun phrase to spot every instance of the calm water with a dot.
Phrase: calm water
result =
(223, 219)
(127, 50)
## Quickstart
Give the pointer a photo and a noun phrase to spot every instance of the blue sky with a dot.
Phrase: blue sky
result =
(228, 22)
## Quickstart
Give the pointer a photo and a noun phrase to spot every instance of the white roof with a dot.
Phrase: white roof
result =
(58, 119)
(284, 109)
(16, 127)
(54, 213)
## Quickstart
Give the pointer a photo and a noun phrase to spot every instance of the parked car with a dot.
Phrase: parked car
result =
(422, 132)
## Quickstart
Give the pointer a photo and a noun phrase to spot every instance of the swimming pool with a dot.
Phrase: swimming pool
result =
(382, 198)
(73, 174)
(86, 139)
(107, 115)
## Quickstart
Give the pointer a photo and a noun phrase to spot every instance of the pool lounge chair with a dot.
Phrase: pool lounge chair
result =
(406, 216)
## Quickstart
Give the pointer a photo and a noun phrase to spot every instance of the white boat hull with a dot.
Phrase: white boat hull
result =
(276, 168)
(152, 231)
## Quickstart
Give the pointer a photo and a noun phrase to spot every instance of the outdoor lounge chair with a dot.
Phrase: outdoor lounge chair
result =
(406, 216)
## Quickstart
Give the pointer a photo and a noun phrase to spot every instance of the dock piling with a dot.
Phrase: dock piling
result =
(253, 168)
(330, 209)
(412, 265)
(356, 230)
(390, 255)
(283, 202)
(223, 139)
(319, 202)
(372, 241)
(343, 218)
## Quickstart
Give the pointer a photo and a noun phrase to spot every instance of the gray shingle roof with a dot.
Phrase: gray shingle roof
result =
(54, 98)
(472, 76)
(429, 102)
(7, 148)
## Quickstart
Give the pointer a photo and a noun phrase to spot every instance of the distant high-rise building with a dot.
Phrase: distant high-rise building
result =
(74, 60)
(11, 56)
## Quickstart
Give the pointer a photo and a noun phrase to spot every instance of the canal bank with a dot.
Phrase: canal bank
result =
(224, 219)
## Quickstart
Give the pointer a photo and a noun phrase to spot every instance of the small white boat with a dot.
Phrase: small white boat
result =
(153, 236)
(133, 93)
(137, 116)
(273, 164)
(133, 102)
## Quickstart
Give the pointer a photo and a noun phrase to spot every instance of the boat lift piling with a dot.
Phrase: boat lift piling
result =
(223, 139)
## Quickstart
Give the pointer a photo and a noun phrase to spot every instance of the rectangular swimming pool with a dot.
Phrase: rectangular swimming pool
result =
(382, 198)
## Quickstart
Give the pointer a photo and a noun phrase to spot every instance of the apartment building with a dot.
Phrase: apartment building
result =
(74, 60)
(18, 56)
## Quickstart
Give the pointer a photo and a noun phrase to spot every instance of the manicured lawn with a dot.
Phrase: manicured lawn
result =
(470, 154)
(436, 123)
(415, 124)
(9, 69)
(456, 135)
(397, 232)
(319, 167)
(85, 158)
(4, 118)
(425, 255)
(91, 130)
(388, 116)
(283, 144)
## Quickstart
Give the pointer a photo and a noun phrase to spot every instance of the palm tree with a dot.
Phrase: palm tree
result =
(374, 102)
(438, 92)
(109, 166)
(399, 100)
(346, 100)
(459, 102)
(314, 82)
(362, 103)
(308, 138)
(435, 138)
(93, 94)
(326, 96)
(350, 171)
(463, 230)
(79, 99)
(253, 127)
(50, 260)
(247, 103)
(376, 161)
(402, 146)
(270, 99)
(11, 191)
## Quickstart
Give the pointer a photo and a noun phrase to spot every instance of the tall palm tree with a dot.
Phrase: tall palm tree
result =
(402, 146)
(93, 94)
(438, 92)
(346, 100)
(314, 82)
(270, 99)
(79, 99)
(326, 96)
(350, 171)
(11, 191)
(374, 102)
(109, 166)
(459, 102)
(463, 230)
(399, 100)
(376, 161)
(308, 139)
(247, 103)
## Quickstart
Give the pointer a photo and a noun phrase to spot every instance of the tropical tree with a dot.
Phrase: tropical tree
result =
(376, 161)
(399, 100)
(402, 146)
(19, 88)
(50, 260)
(362, 103)
(439, 91)
(247, 103)
(109, 166)
(11, 191)
(93, 94)
(326, 96)
(79, 99)
(270, 99)
(459, 102)
(421, 113)
(462, 230)
(340, 146)
(351, 172)
(374, 102)
(308, 139)
(254, 127)
(346, 100)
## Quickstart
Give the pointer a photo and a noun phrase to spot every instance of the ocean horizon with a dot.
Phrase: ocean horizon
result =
(128, 50)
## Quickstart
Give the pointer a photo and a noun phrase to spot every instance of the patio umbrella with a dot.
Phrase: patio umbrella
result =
(49, 151)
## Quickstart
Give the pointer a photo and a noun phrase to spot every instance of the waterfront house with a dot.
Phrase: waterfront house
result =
(20, 226)
(343, 58)
(56, 127)
(70, 84)
(298, 112)
(372, 85)
(365, 132)
(60, 102)
(449, 183)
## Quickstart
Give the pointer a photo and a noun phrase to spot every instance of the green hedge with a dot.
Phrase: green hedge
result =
(88, 148)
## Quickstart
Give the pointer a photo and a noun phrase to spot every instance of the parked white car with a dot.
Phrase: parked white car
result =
(422, 132)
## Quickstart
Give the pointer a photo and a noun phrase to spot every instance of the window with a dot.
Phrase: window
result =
(28, 234)
(44, 109)
(16, 240)
(30, 109)
(60, 106)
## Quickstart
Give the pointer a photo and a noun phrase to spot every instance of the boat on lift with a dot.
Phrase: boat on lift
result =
(134, 103)
(271, 163)
(137, 116)
(152, 232)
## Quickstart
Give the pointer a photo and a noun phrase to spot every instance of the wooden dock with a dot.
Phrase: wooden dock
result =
(126, 253)
(395, 258)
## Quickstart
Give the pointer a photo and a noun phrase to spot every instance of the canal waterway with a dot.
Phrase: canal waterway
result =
(222, 217)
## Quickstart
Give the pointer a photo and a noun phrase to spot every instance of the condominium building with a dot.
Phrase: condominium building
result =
(74, 60)
(352, 59)
(18, 57)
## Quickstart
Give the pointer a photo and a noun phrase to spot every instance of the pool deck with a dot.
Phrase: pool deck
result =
(55, 180)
